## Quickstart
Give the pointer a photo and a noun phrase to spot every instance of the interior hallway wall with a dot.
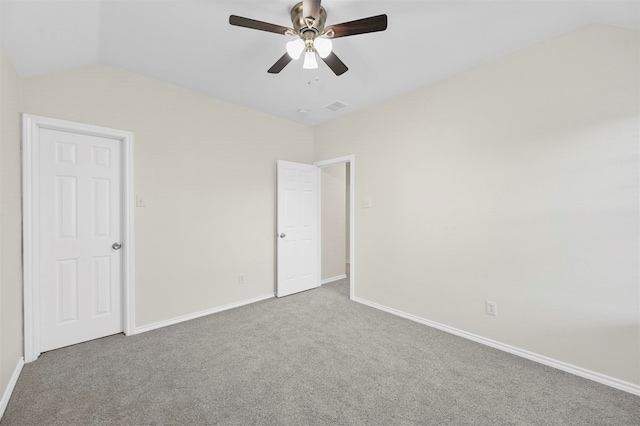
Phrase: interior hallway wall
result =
(207, 171)
(515, 182)
(333, 208)
(347, 215)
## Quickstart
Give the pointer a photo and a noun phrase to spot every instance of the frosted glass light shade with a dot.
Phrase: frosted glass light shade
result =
(295, 48)
(310, 61)
(323, 46)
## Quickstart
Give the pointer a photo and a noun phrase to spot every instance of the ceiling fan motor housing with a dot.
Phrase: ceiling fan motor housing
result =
(307, 30)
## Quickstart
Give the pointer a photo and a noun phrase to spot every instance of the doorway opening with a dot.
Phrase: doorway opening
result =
(336, 179)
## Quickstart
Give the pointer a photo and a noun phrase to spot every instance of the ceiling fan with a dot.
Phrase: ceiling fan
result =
(312, 37)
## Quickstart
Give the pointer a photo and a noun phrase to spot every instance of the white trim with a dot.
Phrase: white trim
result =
(31, 124)
(332, 161)
(12, 384)
(560, 365)
(332, 279)
(351, 159)
(128, 235)
(319, 222)
(204, 313)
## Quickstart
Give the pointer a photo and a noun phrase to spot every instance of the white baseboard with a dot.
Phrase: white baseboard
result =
(569, 368)
(12, 384)
(332, 279)
(195, 315)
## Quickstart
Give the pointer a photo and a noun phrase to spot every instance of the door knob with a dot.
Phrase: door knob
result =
(116, 246)
(282, 235)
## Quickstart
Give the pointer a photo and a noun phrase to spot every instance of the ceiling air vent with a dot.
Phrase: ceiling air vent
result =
(336, 106)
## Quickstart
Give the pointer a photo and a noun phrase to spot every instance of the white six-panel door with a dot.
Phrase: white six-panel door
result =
(297, 228)
(80, 221)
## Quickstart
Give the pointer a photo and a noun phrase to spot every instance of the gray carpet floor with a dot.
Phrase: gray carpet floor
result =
(314, 358)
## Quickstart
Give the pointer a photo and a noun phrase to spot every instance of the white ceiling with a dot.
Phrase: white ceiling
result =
(190, 43)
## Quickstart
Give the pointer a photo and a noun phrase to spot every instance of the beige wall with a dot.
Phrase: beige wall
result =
(207, 171)
(11, 343)
(515, 182)
(333, 201)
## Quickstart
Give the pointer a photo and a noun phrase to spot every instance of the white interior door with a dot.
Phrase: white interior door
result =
(297, 228)
(80, 232)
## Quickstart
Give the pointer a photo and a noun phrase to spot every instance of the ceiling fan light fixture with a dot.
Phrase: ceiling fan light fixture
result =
(310, 61)
(323, 46)
(295, 48)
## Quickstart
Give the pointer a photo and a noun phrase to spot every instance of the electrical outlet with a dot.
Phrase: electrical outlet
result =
(492, 308)
(240, 279)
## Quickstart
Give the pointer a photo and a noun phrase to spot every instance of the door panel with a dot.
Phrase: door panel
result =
(297, 227)
(66, 291)
(80, 219)
(102, 285)
(66, 207)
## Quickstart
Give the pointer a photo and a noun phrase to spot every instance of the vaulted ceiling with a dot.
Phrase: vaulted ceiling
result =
(189, 43)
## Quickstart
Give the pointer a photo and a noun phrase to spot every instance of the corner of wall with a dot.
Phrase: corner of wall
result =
(11, 334)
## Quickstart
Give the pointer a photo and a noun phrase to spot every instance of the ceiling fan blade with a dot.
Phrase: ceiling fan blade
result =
(360, 26)
(336, 65)
(280, 64)
(311, 9)
(239, 21)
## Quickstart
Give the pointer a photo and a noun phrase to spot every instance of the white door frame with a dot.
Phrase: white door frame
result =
(351, 159)
(31, 124)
